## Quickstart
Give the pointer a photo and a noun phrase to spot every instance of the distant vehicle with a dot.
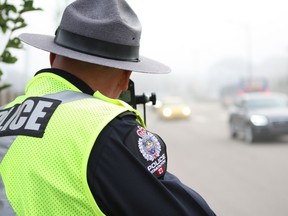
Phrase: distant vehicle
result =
(259, 115)
(230, 92)
(174, 108)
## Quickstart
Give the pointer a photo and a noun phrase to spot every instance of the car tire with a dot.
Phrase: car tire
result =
(249, 135)
(232, 131)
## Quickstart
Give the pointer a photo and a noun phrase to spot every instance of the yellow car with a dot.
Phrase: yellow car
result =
(174, 108)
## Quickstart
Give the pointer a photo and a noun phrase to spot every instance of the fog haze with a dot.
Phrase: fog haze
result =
(208, 44)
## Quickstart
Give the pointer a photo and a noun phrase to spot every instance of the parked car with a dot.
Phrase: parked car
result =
(259, 115)
(174, 108)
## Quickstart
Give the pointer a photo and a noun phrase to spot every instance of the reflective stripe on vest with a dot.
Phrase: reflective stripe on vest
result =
(64, 97)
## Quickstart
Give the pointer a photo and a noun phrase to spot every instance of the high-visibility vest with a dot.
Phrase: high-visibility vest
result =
(50, 139)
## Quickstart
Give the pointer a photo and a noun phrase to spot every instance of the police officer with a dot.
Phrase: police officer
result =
(69, 146)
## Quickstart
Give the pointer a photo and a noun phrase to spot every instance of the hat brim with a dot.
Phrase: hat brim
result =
(46, 43)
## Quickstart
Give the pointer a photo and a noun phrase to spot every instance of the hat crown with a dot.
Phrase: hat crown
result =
(112, 21)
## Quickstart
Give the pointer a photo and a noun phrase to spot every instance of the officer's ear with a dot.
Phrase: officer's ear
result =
(126, 77)
(52, 58)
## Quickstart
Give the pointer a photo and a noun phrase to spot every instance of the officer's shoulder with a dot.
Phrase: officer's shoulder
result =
(126, 115)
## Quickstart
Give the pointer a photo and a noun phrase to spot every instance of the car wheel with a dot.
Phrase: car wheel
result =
(232, 131)
(249, 136)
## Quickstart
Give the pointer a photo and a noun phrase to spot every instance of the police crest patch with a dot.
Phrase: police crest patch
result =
(148, 144)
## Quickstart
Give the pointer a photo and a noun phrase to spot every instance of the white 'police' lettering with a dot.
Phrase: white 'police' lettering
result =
(28, 118)
(157, 164)
(39, 113)
(4, 114)
(19, 119)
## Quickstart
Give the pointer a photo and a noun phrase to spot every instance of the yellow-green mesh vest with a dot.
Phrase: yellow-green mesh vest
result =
(48, 175)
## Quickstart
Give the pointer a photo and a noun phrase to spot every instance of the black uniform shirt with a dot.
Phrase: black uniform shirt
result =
(122, 184)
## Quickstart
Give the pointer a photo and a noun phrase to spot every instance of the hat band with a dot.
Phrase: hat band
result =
(96, 47)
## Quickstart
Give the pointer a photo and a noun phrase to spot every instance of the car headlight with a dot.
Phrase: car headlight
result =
(167, 112)
(259, 120)
(186, 111)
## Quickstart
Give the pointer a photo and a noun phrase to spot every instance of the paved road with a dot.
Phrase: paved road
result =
(236, 179)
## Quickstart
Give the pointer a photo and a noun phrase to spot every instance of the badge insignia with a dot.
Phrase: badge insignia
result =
(148, 144)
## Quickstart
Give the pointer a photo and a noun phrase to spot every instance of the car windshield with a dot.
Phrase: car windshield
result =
(266, 103)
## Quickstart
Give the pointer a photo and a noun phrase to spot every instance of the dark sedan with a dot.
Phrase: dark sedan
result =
(259, 115)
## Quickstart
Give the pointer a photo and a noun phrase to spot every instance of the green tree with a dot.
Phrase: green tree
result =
(11, 19)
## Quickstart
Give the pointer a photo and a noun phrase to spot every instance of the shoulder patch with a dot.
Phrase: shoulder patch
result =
(150, 150)
(148, 144)
(29, 118)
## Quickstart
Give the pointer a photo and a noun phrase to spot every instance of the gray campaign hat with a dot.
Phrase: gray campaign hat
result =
(100, 32)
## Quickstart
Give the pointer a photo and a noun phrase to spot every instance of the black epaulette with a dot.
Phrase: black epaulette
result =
(125, 114)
